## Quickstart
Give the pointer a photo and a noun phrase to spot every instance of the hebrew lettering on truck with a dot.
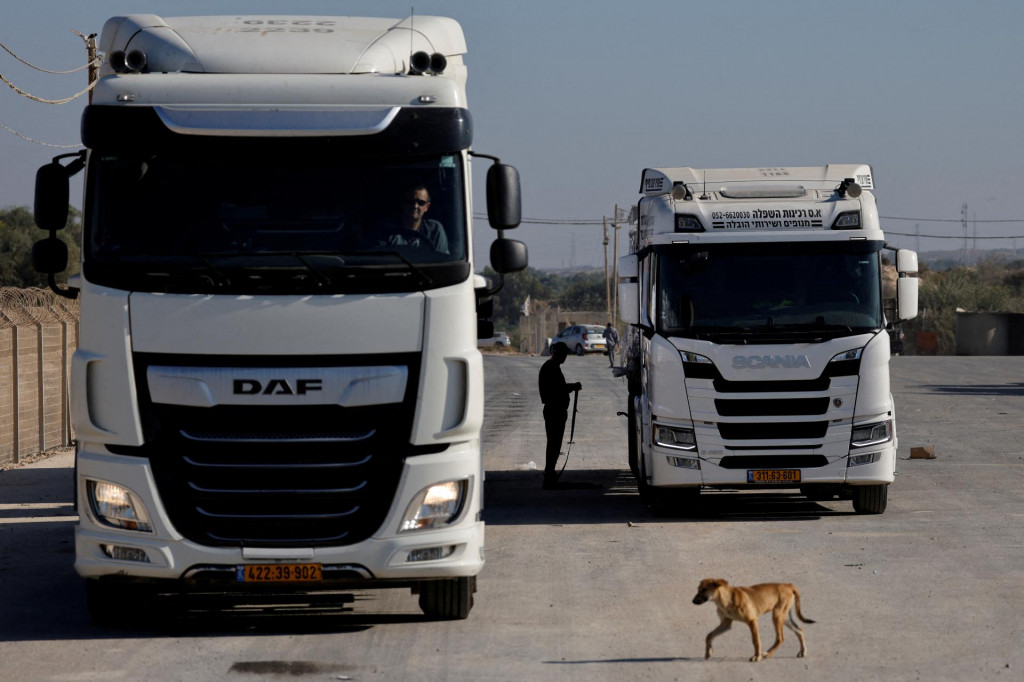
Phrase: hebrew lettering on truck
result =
(758, 352)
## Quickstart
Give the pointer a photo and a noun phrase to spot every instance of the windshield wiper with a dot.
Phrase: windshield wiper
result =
(426, 281)
(225, 281)
(317, 273)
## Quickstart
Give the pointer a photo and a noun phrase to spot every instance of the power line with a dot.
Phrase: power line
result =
(948, 236)
(29, 139)
(581, 221)
(949, 220)
(9, 51)
(92, 65)
(34, 98)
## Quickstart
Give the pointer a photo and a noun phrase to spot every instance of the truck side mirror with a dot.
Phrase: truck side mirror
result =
(504, 202)
(906, 298)
(629, 302)
(508, 255)
(51, 200)
(50, 255)
(484, 329)
(906, 261)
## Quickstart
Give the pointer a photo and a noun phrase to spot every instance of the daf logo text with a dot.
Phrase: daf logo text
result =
(276, 387)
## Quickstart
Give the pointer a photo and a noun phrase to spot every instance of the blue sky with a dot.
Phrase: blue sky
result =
(582, 95)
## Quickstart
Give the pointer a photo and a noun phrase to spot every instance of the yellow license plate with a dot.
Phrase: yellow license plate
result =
(280, 573)
(773, 476)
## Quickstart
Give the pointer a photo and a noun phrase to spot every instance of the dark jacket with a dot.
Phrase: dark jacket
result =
(554, 392)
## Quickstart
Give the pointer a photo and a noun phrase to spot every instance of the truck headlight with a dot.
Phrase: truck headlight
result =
(674, 437)
(117, 506)
(871, 434)
(847, 355)
(694, 358)
(435, 506)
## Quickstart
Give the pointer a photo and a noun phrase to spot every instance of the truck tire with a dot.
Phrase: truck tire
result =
(666, 502)
(112, 604)
(632, 439)
(674, 502)
(447, 599)
(870, 499)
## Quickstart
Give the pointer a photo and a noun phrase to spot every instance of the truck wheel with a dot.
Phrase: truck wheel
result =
(674, 502)
(870, 499)
(447, 599)
(117, 604)
(632, 438)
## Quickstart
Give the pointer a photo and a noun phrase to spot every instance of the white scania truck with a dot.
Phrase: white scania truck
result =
(759, 353)
(277, 385)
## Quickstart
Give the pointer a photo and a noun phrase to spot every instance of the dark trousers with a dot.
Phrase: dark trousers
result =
(554, 427)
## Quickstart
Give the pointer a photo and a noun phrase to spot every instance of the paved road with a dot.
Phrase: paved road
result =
(585, 584)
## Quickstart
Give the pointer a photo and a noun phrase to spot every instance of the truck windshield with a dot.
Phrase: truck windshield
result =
(276, 223)
(751, 293)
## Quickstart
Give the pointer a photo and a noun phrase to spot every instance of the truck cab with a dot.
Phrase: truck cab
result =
(277, 386)
(758, 353)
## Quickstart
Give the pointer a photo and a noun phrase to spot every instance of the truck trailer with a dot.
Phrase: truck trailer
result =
(277, 387)
(758, 348)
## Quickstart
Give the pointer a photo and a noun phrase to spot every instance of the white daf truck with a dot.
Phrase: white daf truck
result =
(759, 352)
(277, 386)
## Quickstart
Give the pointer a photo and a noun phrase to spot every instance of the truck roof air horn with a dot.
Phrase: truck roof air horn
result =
(131, 62)
(433, 64)
(848, 187)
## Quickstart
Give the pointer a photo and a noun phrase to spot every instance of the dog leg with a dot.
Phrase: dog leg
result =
(778, 618)
(756, 635)
(792, 625)
(723, 627)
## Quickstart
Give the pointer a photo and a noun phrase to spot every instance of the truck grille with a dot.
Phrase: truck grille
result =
(792, 422)
(283, 476)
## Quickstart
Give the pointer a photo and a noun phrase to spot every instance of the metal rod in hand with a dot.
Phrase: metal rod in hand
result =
(572, 429)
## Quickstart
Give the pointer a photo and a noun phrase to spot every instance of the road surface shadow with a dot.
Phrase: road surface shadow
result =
(998, 390)
(63, 615)
(678, 659)
(596, 496)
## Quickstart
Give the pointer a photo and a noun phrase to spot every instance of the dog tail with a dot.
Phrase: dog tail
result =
(796, 593)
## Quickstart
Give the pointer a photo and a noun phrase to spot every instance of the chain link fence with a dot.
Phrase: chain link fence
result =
(38, 335)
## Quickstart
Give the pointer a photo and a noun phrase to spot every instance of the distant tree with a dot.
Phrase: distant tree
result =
(987, 287)
(576, 291)
(508, 302)
(18, 232)
(584, 291)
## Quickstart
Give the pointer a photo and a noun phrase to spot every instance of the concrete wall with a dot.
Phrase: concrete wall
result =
(989, 333)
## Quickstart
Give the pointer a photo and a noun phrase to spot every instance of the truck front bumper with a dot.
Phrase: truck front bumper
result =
(666, 473)
(389, 555)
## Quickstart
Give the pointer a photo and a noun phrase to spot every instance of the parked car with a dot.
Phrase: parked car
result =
(582, 338)
(499, 340)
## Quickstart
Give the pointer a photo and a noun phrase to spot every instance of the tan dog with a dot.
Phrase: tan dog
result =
(745, 604)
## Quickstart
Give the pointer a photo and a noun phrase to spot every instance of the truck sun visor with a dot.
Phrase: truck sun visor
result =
(271, 122)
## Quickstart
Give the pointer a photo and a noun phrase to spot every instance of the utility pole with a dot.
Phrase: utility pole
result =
(607, 291)
(963, 223)
(90, 53)
(615, 267)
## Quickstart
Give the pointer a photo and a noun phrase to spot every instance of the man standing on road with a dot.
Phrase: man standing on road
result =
(611, 340)
(554, 393)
